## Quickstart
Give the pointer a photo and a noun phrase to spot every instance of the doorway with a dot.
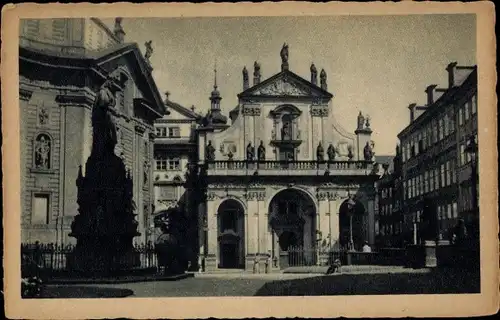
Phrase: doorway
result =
(231, 231)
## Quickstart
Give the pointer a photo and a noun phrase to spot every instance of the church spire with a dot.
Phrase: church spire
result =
(215, 96)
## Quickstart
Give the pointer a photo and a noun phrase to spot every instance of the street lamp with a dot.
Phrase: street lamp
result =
(472, 149)
(350, 209)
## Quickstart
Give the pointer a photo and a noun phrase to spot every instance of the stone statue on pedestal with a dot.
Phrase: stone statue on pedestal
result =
(261, 151)
(331, 152)
(320, 152)
(105, 225)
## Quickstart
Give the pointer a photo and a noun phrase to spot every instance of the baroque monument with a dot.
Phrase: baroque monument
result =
(105, 225)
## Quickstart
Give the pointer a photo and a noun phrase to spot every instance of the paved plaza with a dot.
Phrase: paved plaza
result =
(205, 285)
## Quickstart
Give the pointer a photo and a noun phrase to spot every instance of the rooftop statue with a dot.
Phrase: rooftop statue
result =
(331, 152)
(250, 152)
(210, 151)
(261, 151)
(320, 152)
(149, 49)
(284, 53)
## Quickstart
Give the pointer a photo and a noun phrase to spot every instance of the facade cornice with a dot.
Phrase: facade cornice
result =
(168, 121)
(83, 98)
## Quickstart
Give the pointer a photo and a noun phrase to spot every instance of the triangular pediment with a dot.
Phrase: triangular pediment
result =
(286, 84)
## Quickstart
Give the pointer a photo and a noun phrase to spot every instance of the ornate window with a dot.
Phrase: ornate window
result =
(42, 152)
(286, 116)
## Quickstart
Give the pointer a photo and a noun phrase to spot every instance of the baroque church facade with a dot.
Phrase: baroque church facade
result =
(284, 174)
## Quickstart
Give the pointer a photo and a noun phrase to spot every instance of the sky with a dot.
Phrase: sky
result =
(375, 64)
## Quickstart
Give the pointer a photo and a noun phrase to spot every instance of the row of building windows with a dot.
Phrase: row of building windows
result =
(168, 164)
(437, 130)
(386, 210)
(170, 132)
(386, 193)
(466, 198)
(388, 229)
(433, 179)
(465, 157)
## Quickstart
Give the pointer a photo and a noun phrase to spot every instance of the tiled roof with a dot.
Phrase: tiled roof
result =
(183, 110)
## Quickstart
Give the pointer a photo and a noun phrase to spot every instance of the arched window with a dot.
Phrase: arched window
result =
(43, 151)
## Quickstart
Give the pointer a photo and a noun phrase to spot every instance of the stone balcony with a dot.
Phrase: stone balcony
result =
(288, 168)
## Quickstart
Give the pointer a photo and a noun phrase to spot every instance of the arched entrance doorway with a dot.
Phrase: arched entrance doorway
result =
(231, 229)
(351, 214)
(292, 220)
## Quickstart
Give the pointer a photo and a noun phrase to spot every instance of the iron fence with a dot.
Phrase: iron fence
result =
(298, 256)
(55, 258)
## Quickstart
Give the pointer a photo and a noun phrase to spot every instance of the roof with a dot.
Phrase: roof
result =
(102, 62)
(183, 110)
(450, 96)
(289, 74)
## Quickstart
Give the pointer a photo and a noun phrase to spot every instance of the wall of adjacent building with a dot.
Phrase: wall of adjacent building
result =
(67, 35)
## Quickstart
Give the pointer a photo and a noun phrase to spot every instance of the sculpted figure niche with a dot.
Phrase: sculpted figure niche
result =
(286, 132)
(42, 152)
(104, 128)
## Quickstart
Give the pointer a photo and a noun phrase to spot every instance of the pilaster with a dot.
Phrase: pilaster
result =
(371, 221)
(321, 222)
(334, 219)
(263, 226)
(212, 254)
(252, 218)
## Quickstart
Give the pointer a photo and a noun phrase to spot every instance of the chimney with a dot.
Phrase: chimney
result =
(430, 90)
(118, 31)
(451, 74)
(412, 111)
